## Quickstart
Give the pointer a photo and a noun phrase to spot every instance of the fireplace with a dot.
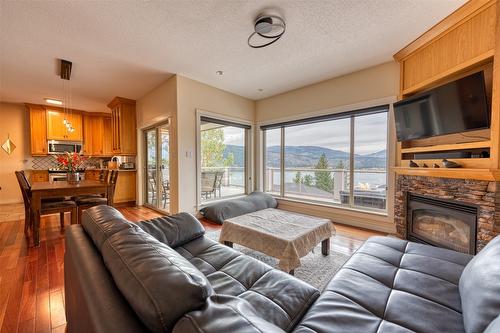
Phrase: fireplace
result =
(443, 223)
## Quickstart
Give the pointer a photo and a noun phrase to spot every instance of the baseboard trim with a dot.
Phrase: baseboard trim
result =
(341, 216)
(124, 204)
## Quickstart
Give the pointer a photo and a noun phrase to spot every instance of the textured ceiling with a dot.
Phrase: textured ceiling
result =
(127, 48)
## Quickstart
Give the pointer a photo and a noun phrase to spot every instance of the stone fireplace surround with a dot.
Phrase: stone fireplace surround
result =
(484, 194)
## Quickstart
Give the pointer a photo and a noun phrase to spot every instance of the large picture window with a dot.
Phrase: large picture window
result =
(339, 159)
(223, 157)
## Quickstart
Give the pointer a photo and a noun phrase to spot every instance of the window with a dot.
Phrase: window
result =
(272, 158)
(339, 159)
(223, 159)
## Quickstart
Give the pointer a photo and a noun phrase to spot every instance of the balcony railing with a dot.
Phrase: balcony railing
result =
(219, 182)
(370, 185)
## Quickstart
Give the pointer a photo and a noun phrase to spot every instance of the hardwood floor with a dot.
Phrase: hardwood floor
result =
(32, 279)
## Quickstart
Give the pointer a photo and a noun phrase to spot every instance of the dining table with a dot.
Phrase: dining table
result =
(56, 189)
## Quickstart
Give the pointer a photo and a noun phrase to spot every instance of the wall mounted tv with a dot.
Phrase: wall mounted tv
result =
(458, 106)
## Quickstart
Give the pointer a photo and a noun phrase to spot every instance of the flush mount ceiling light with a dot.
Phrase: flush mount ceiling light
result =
(268, 29)
(53, 101)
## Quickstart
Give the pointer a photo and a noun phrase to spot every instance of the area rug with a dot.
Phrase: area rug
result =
(315, 269)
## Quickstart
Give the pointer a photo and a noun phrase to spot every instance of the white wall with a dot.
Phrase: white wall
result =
(372, 86)
(14, 121)
(193, 95)
(155, 107)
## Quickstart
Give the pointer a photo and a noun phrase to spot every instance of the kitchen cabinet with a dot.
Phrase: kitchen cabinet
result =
(38, 176)
(91, 174)
(107, 143)
(123, 126)
(97, 135)
(38, 130)
(56, 129)
(125, 187)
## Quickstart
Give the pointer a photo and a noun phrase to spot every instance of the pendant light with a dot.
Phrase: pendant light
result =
(66, 67)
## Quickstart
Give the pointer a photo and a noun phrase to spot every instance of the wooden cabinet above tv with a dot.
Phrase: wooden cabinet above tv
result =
(465, 42)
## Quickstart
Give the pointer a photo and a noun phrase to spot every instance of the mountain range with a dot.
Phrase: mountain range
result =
(308, 156)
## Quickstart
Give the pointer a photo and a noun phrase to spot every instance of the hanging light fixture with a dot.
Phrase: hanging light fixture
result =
(267, 30)
(65, 74)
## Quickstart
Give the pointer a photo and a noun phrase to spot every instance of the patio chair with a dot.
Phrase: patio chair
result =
(218, 182)
(208, 183)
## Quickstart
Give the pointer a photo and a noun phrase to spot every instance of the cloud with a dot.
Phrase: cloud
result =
(370, 134)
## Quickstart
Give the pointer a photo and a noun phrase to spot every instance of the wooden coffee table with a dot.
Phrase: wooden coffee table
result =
(284, 235)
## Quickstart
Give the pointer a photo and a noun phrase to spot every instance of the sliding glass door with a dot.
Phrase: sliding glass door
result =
(157, 175)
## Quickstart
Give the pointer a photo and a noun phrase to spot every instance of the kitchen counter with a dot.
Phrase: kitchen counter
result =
(120, 170)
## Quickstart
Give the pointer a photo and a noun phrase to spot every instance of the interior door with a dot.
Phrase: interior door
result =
(157, 170)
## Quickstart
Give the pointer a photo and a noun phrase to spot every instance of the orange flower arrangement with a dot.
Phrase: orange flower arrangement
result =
(70, 161)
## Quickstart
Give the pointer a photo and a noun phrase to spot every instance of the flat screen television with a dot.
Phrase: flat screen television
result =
(458, 106)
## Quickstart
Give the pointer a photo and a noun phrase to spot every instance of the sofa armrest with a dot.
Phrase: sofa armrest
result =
(224, 313)
(174, 230)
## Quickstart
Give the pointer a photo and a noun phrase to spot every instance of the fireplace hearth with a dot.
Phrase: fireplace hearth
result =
(442, 223)
(480, 194)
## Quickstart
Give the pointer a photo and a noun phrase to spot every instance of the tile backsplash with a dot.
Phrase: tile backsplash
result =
(48, 162)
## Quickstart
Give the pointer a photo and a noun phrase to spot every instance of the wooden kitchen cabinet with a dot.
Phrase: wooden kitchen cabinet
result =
(92, 174)
(38, 130)
(87, 136)
(125, 187)
(124, 126)
(107, 142)
(96, 140)
(56, 129)
(38, 176)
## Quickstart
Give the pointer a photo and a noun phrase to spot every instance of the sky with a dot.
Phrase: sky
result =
(370, 134)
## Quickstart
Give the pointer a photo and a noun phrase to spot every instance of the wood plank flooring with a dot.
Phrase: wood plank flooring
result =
(32, 279)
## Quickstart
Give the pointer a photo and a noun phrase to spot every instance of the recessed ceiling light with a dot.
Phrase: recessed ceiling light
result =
(219, 73)
(53, 101)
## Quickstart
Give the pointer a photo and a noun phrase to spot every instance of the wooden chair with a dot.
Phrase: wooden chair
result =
(103, 177)
(49, 206)
(91, 201)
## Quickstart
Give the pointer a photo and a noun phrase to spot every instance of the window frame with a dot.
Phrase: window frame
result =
(248, 151)
(351, 114)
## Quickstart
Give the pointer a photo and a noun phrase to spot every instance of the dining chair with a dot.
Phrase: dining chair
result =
(83, 203)
(103, 177)
(49, 206)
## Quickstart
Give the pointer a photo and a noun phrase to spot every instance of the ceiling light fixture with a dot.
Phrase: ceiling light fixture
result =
(53, 101)
(269, 28)
(220, 73)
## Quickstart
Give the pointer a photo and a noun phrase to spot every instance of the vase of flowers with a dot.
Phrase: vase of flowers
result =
(71, 162)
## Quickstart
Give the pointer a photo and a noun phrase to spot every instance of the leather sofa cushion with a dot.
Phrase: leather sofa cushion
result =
(158, 283)
(234, 315)
(101, 222)
(480, 288)
(391, 285)
(221, 211)
(494, 326)
(174, 230)
(276, 296)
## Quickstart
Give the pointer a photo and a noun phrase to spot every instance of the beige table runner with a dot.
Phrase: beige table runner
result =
(281, 234)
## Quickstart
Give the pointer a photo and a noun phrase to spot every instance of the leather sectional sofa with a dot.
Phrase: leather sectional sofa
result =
(163, 275)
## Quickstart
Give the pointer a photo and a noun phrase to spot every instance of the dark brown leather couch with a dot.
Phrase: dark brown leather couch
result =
(163, 275)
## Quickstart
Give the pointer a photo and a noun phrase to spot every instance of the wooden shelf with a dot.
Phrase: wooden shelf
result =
(451, 146)
(457, 173)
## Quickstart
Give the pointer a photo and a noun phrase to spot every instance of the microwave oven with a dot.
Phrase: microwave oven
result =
(61, 147)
